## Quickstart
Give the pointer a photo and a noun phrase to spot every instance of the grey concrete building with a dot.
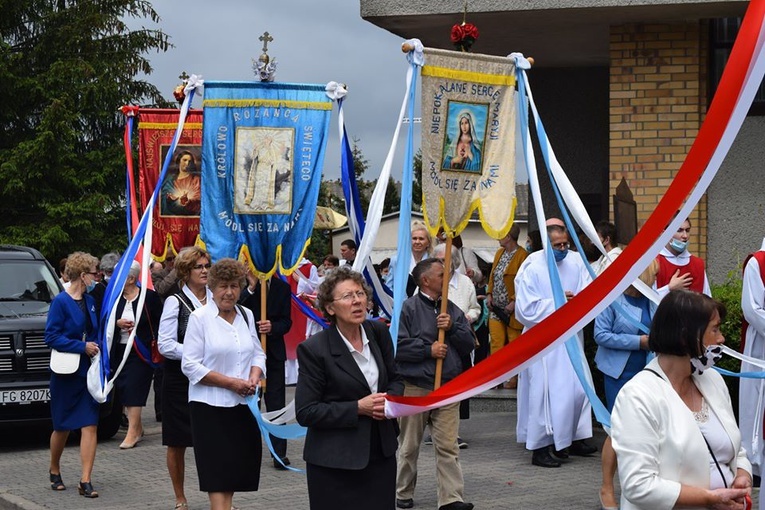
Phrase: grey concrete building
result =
(623, 87)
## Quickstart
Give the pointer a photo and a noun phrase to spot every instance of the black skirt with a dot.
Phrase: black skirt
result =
(227, 447)
(371, 488)
(176, 424)
(134, 382)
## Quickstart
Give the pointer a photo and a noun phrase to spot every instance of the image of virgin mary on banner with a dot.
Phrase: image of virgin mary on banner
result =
(468, 141)
(262, 159)
(176, 219)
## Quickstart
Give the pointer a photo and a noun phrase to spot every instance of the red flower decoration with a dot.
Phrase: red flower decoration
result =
(470, 30)
(457, 34)
(179, 93)
(464, 35)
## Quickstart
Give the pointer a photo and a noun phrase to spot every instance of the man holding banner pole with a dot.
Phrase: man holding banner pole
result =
(418, 351)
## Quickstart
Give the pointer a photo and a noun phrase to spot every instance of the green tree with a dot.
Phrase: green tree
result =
(392, 201)
(320, 246)
(417, 184)
(66, 66)
(360, 166)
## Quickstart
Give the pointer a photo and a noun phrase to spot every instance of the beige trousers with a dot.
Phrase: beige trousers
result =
(444, 425)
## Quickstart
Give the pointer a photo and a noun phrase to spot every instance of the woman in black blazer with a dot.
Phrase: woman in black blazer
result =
(134, 382)
(345, 372)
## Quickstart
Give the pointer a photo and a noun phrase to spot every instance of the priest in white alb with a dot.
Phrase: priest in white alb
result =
(553, 410)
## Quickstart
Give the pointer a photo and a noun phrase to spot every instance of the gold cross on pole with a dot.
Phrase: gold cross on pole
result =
(266, 38)
(183, 77)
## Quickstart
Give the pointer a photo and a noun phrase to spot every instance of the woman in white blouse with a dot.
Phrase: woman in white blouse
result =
(673, 429)
(191, 265)
(224, 361)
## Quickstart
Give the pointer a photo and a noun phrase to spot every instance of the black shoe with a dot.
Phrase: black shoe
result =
(86, 489)
(461, 443)
(457, 505)
(428, 441)
(404, 503)
(542, 458)
(281, 465)
(581, 449)
(560, 454)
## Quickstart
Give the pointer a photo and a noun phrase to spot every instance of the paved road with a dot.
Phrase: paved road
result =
(498, 475)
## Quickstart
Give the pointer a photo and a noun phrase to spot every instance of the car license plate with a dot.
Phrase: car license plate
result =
(24, 396)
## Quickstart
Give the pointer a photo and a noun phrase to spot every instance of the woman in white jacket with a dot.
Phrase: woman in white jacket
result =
(673, 427)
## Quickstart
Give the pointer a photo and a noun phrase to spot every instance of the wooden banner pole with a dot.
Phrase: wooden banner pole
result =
(444, 303)
(263, 336)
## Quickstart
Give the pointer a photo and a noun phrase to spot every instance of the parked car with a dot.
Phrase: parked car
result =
(28, 284)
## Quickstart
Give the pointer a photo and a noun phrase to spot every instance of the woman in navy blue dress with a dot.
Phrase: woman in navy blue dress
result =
(73, 327)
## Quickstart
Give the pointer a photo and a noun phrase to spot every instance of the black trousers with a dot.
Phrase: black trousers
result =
(275, 398)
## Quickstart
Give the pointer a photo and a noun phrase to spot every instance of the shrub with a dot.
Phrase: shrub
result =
(729, 294)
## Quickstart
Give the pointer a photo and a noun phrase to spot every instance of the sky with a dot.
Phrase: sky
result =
(315, 41)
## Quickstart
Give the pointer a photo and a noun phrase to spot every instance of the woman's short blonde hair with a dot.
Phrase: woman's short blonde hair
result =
(227, 270)
(79, 262)
(420, 225)
(187, 259)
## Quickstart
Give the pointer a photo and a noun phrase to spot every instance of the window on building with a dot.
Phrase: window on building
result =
(723, 35)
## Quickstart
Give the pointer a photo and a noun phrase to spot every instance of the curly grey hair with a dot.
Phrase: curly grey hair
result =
(333, 279)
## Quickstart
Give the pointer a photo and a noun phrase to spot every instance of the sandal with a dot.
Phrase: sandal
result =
(181, 505)
(86, 489)
(56, 483)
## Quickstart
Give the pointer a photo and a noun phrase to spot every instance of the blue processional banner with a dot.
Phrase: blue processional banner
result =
(263, 150)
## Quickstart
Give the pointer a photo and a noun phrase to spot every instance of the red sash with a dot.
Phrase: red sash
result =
(695, 268)
(296, 333)
(760, 257)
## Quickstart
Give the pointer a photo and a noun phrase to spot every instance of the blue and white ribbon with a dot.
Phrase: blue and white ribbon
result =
(98, 381)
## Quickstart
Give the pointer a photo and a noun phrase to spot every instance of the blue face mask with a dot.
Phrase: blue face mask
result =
(560, 254)
(678, 245)
(92, 285)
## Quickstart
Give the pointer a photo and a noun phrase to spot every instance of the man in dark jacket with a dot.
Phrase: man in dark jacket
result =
(418, 350)
(276, 324)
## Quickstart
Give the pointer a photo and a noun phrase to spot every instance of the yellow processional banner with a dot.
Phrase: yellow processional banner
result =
(469, 116)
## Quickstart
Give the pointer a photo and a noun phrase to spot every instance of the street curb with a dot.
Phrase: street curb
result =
(10, 501)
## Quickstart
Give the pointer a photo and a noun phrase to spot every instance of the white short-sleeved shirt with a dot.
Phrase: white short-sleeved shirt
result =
(214, 345)
(167, 340)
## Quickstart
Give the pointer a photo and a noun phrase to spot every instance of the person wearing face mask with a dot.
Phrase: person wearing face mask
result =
(72, 326)
(107, 265)
(134, 381)
(678, 269)
(553, 410)
(673, 427)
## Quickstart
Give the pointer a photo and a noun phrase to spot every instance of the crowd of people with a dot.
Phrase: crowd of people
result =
(224, 333)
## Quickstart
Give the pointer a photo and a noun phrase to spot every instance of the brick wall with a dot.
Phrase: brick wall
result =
(657, 102)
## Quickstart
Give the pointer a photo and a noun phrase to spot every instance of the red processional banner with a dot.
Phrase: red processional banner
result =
(176, 216)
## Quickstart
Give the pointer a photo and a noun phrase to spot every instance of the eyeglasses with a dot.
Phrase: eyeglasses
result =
(203, 266)
(349, 296)
(561, 246)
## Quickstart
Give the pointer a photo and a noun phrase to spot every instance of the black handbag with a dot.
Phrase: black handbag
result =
(502, 314)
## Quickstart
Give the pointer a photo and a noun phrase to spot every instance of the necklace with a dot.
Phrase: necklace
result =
(703, 414)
